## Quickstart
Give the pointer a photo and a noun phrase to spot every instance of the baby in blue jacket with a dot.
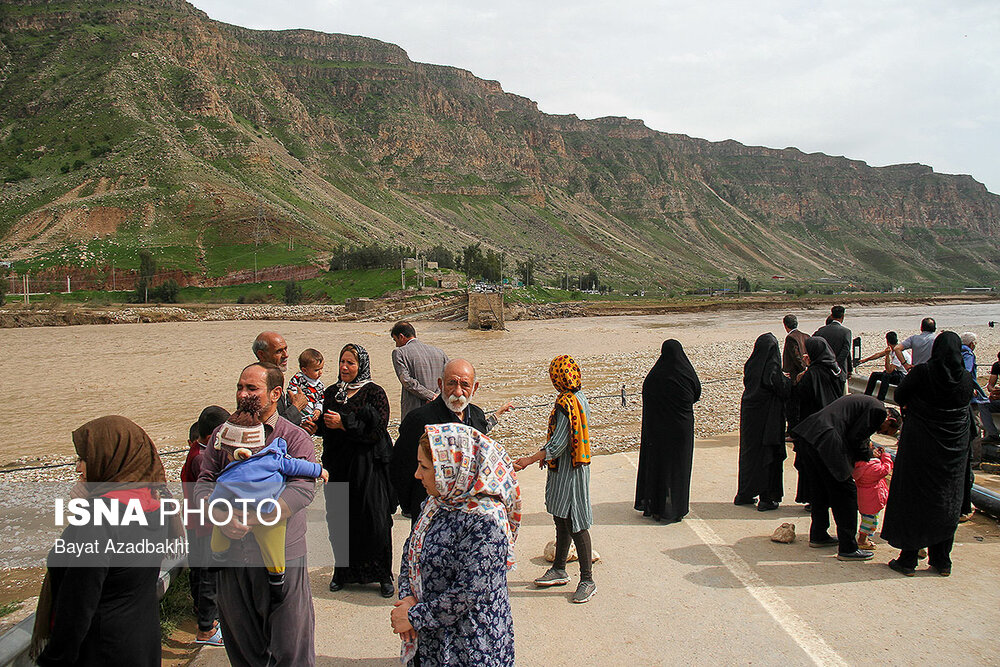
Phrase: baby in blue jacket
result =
(256, 473)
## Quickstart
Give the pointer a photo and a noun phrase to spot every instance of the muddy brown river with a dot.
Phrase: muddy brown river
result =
(162, 375)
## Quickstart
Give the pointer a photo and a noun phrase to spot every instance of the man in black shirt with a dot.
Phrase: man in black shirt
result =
(839, 338)
(457, 386)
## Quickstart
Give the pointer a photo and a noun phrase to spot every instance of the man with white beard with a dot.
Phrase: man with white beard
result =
(457, 386)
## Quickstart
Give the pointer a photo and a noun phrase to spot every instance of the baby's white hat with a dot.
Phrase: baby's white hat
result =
(240, 441)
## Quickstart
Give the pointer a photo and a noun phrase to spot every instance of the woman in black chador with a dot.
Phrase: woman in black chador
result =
(819, 385)
(925, 496)
(762, 426)
(669, 393)
(356, 451)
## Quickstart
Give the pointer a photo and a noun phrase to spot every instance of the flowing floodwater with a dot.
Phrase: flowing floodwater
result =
(162, 375)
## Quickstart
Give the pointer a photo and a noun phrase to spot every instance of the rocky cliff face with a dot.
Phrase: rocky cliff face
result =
(205, 127)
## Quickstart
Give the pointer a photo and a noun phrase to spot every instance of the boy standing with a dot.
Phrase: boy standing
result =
(204, 582)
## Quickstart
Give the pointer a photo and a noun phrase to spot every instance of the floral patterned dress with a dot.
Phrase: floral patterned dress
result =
(464, 617)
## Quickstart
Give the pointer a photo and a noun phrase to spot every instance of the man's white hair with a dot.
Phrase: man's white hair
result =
(968, 338)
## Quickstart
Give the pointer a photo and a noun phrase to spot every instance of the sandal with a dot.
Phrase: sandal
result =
(214, 640)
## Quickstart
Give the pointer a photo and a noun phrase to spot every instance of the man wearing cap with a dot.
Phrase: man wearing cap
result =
(839, 338)
(256, 630)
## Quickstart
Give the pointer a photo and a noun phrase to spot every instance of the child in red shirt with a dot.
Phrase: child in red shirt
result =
(873, 490)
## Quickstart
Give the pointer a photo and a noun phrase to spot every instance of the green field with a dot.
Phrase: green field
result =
(333, 287)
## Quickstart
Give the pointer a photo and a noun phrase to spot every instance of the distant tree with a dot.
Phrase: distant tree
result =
(444, 257)
(491, 267)
(371, 256)
(480, 266)
(590, 280)
(147, 269)
(147, 264)
(293, 293)
(166, 292)
(742, 284)
(526, 271)
(473, 260)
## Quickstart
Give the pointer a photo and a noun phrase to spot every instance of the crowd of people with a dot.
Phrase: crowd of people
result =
(459, 487)
(249, 572)
(800, 396)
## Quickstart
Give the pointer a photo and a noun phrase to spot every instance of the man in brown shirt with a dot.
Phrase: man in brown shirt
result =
(793, 361)
(792, 358)
(256, 631)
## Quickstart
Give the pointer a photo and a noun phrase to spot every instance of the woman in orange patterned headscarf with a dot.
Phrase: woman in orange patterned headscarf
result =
(567, 488)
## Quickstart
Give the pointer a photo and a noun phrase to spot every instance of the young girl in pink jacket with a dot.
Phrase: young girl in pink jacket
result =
(873, 490)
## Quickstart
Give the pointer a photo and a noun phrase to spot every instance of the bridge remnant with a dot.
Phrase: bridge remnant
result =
(486, 310)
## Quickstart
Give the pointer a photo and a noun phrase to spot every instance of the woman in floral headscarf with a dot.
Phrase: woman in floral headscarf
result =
(356, 450)
(567, 487)
(453, 607)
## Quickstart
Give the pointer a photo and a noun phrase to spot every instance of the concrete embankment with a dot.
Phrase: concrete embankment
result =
(712, 589)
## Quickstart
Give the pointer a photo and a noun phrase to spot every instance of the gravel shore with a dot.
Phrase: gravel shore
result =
(614, 428)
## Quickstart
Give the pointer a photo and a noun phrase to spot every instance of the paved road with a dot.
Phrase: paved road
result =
(712, 589)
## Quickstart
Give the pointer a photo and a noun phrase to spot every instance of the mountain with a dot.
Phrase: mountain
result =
(146, 124)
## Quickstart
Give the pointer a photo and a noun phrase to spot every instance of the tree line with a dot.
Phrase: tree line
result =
(476, 263)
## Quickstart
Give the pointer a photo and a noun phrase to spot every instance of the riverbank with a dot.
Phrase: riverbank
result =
(442, 305)
(161, 375)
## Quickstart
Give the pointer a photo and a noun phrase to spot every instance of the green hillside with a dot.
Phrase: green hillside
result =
(131, 125)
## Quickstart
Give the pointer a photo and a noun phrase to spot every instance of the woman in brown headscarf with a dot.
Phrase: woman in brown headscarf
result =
(101, 608)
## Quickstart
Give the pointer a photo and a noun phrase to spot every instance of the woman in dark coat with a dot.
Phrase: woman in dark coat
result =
(829, 443)
(102, 608)
(669, 393)
(925, 496)
(356, 450)
(762, 426)
(820, 385)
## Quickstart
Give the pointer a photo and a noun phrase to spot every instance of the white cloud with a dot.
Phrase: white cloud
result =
(887, 82)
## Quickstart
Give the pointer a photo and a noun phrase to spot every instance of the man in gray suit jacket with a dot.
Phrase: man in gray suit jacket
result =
(418, 367)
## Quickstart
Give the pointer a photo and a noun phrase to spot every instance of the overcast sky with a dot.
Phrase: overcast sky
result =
(885, 82)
